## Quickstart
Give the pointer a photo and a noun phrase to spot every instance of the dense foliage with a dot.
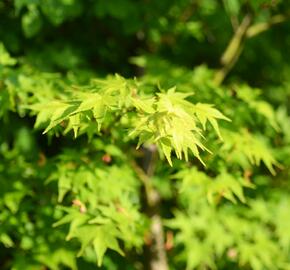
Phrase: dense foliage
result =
(144, 134)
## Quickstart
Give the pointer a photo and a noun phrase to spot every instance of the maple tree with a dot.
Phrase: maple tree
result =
(144, 135)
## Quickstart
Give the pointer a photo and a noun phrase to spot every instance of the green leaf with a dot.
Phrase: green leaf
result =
(74, 123)
(88, 101)
(171, 124)
(144, 105)
(105, 239)
(6, 240)
(5, 58)
(31, 22)
(206, 112)
(64, 185)
(253, 147)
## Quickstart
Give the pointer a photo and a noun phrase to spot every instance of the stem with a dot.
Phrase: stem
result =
(233, 50)
(157, 258)
(235, 47)
(264, 26)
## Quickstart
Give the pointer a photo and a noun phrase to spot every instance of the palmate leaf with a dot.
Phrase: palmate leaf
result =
(53, 112)
(57, 258)
(104, 208)
(173, 123)
(228, 186)
(100, 236)
(246, 146)
(100, 97)
(242, 233)
(251, 97)
(167, 120)
(197, 183)
(105, 237)
(74, 123)
(206, 112)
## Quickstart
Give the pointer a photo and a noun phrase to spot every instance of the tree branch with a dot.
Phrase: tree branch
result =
(235, 47)
(264, 26)
(157, 258)
(233, 50)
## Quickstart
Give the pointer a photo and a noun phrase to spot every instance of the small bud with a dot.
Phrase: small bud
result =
(83, 209)
(232, 253)
(169, 240)
(79, 204)
(106, 158)
(42, 160)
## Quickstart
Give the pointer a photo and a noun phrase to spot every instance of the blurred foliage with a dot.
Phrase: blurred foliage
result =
(71, 198)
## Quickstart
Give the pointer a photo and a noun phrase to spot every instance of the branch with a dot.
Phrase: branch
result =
(264, 26)
(235, 47)
(157, 258)
(233, 50)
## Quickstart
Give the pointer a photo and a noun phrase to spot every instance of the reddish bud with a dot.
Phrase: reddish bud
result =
(232, 253)
(107, 158)
(79, 204)
(169, 240)
(42, 160)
